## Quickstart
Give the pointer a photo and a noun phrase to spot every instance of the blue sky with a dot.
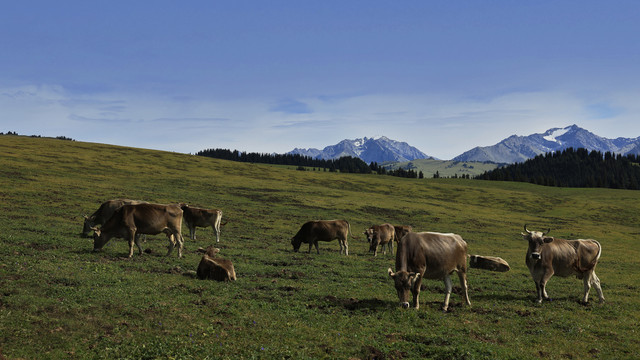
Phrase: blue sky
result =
(269, 76)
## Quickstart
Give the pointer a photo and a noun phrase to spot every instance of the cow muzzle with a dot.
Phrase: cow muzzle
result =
(404, 305)
(535, 256)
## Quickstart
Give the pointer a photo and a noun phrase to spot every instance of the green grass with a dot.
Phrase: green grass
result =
(445, 168)
(58, 299)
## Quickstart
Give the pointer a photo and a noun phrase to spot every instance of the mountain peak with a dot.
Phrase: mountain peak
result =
(370, 149)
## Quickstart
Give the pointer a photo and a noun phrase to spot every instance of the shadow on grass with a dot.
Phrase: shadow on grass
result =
(351, 304)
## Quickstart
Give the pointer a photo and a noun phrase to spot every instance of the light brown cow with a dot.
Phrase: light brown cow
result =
(200, 217)
(152, 219)
(402, 230)
(548, 256)
(212, 267)
(429, 255)
(322, 230)
(104, 212)
(380, 235)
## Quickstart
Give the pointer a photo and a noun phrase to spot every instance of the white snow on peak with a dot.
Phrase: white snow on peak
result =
(556, 134)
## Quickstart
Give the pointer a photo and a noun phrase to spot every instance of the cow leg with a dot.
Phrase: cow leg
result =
(132, 240)
(178, 237)
(415, 291)
(595, 281)
(315, 243)
(448, 286)
(465, 288)
(192, 232)
(538, 292)
(216, 228)
(172, 243)
(137, 242)
(346, 247)
(587, 286)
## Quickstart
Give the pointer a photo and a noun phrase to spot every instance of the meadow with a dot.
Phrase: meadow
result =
(58, 299)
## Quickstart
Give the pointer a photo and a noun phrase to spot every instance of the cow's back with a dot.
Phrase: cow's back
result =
(433, 254)
(569, 257)
(327, 230)
(152, 218)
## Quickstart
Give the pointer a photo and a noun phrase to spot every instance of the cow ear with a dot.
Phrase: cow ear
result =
(391, 272)
(547, 239)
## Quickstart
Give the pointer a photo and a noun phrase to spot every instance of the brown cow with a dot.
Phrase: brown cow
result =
(380, 235)
(104, 212)
(548, 256)
(194, 216)
(433, 256)
(214, 268)
(402, 230)
(152, 219)
(322, 230)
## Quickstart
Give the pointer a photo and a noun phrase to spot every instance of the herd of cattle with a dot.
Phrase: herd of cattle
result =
(419, 255)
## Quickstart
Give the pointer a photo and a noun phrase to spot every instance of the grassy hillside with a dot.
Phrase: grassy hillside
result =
(58, 299)
(446, 168)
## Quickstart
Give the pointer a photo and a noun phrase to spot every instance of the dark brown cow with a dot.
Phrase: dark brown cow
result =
(380, 235)
(152, 219)
(214, 268)
(104, 212)
(548, 256)
(200, 217)
(433, 256)
(322, 230)
(402, 230)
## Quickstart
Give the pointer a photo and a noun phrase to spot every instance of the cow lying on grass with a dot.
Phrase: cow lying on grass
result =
(214, 268)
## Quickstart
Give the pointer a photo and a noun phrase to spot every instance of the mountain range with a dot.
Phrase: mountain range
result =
(379, 149)
(520, 148)
(510, 150)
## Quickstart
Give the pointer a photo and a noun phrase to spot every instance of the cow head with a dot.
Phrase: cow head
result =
(88, 224)
(296, 242)
(536, 240)
(98, 239)
(368, 234)
(404, 282)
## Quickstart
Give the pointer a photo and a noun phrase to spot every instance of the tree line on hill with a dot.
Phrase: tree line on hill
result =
(346, 164)
(573, 168)
(14, 133)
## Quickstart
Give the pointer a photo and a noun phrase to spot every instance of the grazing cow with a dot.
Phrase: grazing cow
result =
(548, 256)
(152, 219)
(322, 230)
(380, 235)
(194, 216)
(402, 230)
(214, 268)
(433, 256)
(104, 212)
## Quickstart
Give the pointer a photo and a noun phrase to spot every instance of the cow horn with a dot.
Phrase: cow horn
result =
(546, 232)
(525, 229)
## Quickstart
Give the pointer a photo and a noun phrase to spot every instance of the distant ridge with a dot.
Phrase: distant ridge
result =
(379, 150)
(520, 148)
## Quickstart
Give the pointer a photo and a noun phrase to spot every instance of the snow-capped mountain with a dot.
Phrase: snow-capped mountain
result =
(520, 148)
(378, 150)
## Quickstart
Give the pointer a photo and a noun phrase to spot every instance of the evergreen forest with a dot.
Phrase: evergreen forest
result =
(574, 168)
